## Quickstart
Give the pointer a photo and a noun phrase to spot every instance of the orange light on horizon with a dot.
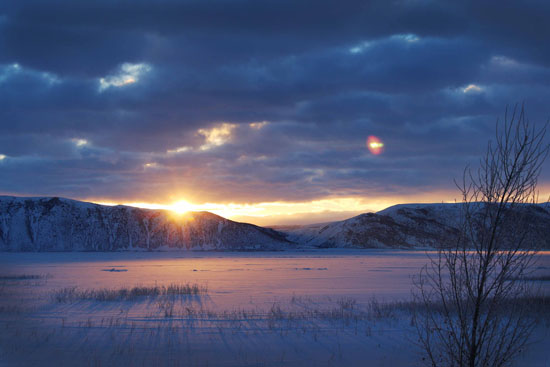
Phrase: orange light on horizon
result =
(375, 145)
(181, 207)
(289, 212)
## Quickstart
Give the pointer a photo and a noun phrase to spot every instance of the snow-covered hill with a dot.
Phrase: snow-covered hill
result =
(404, 226)
(57, 224)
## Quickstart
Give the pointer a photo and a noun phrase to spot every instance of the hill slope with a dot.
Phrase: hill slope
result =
(404, 226)
(56, 224)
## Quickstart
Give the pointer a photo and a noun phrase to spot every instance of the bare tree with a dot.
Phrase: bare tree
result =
(474, 312)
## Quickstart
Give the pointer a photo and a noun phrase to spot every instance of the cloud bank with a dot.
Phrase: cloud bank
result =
(252, 102)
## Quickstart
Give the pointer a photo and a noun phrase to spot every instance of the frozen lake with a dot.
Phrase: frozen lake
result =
(235, 279)
(261, 308)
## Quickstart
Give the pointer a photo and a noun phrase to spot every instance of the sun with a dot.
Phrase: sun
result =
(181, 207)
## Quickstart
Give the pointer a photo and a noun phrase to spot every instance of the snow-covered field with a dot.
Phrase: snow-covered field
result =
(333, 307)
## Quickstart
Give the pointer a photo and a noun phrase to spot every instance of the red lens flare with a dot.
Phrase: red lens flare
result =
(375, 145)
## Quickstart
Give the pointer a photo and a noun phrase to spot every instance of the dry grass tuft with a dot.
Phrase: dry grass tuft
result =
(7, 277)
(73, 294)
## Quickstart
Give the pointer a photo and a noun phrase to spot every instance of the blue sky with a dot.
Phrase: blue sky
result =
(251, 103)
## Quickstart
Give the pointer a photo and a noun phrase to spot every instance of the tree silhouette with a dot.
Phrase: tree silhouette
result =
(474, 312)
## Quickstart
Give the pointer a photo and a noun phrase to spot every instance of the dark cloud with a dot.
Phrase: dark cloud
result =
(128, 100)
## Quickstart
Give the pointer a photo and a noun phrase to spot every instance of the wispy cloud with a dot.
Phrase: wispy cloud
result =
(127, 74)
(472, 88)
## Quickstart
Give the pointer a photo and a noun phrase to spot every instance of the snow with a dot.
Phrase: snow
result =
(419, 226)
(303, 306)
(57, 224)
(261, 309)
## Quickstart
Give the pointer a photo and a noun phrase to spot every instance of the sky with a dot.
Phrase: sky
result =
(260, 111)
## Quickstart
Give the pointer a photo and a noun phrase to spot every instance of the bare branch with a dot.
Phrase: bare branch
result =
(471, 286)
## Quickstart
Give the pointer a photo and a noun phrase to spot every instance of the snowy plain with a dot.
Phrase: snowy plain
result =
(297, 308)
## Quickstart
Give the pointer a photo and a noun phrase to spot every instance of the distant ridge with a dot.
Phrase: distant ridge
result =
(405, 226)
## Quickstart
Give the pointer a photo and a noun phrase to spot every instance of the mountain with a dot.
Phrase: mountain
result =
(405, 226)
(57, 224)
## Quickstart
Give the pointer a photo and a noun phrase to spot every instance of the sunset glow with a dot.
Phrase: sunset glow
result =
(287, 212)
(243, 182)
(181, 207)
(285, 128)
